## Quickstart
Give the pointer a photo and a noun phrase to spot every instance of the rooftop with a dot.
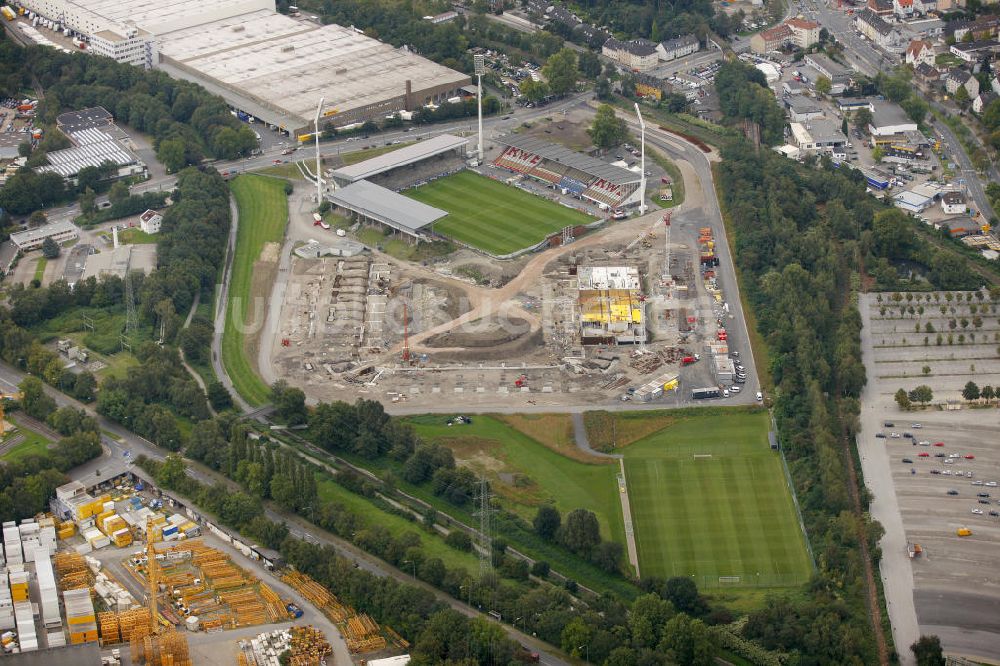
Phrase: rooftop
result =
(953, 198)
(401, 157)
(384, 204)
(802, 24)
(887, 113)
(565, 156)
(93, 148)
(608, 277)
(777, 32)
(802, 104)
(74, 121)
(679, 42)
(285, 65)
(42, 232)
(639, 47)
(116, 261)
(160, 17)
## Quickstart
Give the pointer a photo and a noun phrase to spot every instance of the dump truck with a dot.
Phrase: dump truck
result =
(914, 550)
(963, 532)
(688, 360)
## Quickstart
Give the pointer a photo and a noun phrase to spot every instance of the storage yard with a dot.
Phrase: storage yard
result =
(83, 574)
(933, 472)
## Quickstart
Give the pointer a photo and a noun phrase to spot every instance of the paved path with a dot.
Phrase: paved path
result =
(220, 310)
(180, 351)
(583, 442)
(633, 552)
(895, 567)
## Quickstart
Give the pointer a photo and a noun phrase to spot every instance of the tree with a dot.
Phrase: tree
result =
(547, 521)
(289, 403)
(37, 219)
(928, 651)
(36, 403)
(50, 248)
(172, 154)
(687, 642)
(878, 153)
(962, 97)
(608, 130)
(581, 532)
(534, 91)
(590, 65)
(987, 393)
(922, 394)
(970, 391)
(823, 85)
(88, 202)
(862, 118)
(602, 88)
(561, 71)
(218, 395)
(171, 472)
(683, 594)
(608, 556)
(118, 192)
(902, 399)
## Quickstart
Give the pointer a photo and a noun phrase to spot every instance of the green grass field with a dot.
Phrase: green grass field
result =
(491, 216)
(730, 514)
(263, 211)
(40, 268)
(493, 447)
(33, 444)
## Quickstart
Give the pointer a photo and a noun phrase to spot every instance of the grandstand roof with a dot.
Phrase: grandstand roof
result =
(569, 158)
(385, 206)
(401, 157)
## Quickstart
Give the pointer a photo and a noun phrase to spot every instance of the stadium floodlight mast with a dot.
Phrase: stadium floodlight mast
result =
(642, 161)
(480, 62)
(319, 175)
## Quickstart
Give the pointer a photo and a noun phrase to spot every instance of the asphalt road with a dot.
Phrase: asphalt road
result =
(969, 173)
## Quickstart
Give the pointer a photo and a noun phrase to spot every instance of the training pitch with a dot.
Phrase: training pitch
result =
(496, 218)
(709, 500)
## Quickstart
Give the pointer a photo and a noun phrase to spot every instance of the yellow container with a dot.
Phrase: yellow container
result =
(77, 637)
(82, 619)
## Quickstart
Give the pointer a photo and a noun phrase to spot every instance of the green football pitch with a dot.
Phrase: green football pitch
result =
(709, 500)
(494, 217)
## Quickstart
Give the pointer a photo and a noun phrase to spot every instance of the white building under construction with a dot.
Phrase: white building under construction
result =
(612, 308)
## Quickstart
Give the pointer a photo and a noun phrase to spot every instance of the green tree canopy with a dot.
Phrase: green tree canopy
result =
(561, 71)
(607, 130)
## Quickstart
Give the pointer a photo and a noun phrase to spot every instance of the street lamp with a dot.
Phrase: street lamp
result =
(587, 647)
(413, 566)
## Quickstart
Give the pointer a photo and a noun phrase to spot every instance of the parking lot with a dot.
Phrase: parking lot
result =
(930, 487)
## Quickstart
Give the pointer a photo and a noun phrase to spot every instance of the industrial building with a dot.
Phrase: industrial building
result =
(270, 66)
(611, 305)
(118, 260)
(32, 239)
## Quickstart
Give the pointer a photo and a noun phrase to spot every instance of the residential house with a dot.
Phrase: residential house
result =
(678, 47)
(875, 28)
(953, 203)
(903, 9)
(926, 27)
(592, 35)
(959, 78)
(150, 221)
(805, 33)
(926, 76)
(923, 8)
(950, 5)
(639, 55)
(883, 8)
(771, 39)
(919, 52)
(975, 51)
(983, 100)
(798, 31)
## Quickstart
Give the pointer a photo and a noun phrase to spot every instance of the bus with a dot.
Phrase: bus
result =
(702, 393)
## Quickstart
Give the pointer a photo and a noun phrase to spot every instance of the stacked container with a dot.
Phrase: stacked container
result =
(80, 616)
(122, 537)
(47, 590)
(96, 538)
(26, 636)
(19, 586)
(6, 603)
(12, 544)
(29, 539)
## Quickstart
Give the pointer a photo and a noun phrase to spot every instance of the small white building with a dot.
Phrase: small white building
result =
(953, 203)
(150, 222)
(32, 239)
(912, 202)
(677, 48)
(889, 119)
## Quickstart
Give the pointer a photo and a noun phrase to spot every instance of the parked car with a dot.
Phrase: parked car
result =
(907, 461)
(952, 492)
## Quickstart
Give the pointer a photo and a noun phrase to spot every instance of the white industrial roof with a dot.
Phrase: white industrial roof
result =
(93, 148)
(401, 157)
(156, 16)
(386, 206)
(40, 233)
(288, 65)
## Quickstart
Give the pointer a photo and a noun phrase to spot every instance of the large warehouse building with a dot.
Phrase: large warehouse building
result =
(268, 65)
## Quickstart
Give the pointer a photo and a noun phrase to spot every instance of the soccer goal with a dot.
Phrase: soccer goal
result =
(702, 455)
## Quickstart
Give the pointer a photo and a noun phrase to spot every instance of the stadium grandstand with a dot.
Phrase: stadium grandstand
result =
(575, 173)
(374, 204)
(422, 152)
